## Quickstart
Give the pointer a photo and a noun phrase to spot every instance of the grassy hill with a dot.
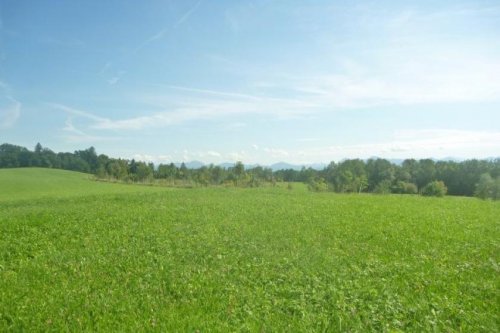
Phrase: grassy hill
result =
(108, 257)
(35, 183)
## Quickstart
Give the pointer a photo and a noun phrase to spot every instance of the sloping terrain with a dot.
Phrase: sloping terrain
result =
(79, 255)
(36, 183)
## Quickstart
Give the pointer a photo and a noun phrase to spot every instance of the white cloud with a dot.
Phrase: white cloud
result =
(446, 139)
(403, 57)
(399, 73)
(113, 80)
(215, 93)
(237, 156)
(76, 112)
(75, 135)
(144, 158)
(70, 128)
(72, 134)
(164, 158)
(163, 32)
(201, 104)
(84, 138)
(212, 153)
(187, 14)
(278, 153)
(424, 143)
(10, 108)
(411, 143)
(10, 111)
(436, 78)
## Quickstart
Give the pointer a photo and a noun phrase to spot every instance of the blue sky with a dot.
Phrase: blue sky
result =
(257, 81)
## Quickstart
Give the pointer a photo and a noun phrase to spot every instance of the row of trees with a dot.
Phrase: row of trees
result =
(425, 176)
(104, 167)
(412, 176)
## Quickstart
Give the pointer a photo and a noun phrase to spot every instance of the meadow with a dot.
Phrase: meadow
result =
(77, 254)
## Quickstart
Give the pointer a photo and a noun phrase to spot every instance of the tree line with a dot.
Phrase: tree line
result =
(425, 176)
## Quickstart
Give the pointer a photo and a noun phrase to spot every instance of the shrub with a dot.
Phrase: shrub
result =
(405, 188)
(434, 189)
(488, 187)
(410, 188)
(317, 185)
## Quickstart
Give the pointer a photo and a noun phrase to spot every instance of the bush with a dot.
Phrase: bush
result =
(317, 185)
(488, 187)
(405, 188)
(434, 189)
(410, 188)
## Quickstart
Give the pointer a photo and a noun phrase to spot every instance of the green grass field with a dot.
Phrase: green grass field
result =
(76, 254)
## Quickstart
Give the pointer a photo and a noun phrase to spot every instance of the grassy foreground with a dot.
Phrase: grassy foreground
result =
(82, 255)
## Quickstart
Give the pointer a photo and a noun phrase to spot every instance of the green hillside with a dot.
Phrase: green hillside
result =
(35, 183)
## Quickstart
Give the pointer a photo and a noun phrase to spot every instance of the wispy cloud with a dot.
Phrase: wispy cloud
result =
(185, 155)
(401, 71)
(106, 67)
(10, 108)
(113, 75)
(274, 152)
(427, 143)
(163, 32)
(114, 80)
(419, 143)
(442, 77)
(10, 111)
(187, 14)
(411, 143)
(72, 129)
(214, 92)
(75, 135)
(404, 56)
(196, 104)
(76, 112)
(158, 35)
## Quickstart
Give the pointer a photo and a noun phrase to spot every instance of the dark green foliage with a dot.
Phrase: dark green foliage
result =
(381, 174)
(434, 189)
(90, 156)
(348, 176)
